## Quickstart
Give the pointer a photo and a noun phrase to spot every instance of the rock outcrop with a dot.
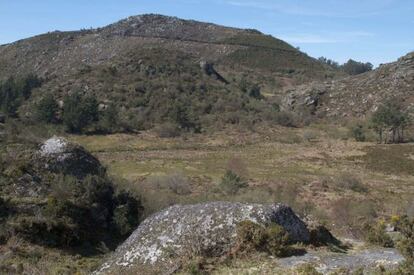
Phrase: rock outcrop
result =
(357, 96)
(163, 239)
(60, 156)
(59, 195)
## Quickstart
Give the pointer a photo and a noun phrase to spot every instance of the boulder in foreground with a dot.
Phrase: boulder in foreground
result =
(165, 238)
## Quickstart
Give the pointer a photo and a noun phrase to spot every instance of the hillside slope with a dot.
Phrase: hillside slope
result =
(64, 54)
(357, 96)
(156, 68)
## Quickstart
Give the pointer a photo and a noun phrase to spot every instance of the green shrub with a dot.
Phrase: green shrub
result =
(375, 234)
(277, 243)
(47, 109)
(254, 237)
(406, 245)
(307, 269)
(79, 112)
(350, 182)
(175, 182)
(14, 91)
(231, 183)
(80, 211)
(127, 214)
(358, 133)
(390, 116)
(109, 120)
(286, 119)
(250, 236)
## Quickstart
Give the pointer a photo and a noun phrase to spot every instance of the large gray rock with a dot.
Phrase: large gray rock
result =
(181, 231)
(60, 156)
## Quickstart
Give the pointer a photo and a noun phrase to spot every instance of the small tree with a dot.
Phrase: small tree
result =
(353, 67)
(47, 109)
(358, 133)
(10, 99)
(13, 92)
(79, 112)
(109, 118)
(390, 117)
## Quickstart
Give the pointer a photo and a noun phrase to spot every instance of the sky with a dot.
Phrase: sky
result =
(376, 31)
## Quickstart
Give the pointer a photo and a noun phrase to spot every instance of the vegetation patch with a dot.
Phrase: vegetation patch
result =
(390, 159)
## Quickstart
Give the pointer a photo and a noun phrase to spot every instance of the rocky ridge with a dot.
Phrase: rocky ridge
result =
(356, 96)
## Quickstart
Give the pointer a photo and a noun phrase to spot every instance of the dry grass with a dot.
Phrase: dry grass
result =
(281, 165)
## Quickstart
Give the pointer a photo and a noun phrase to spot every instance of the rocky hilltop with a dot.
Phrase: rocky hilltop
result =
(164, 239)
(62, 55)
(357, 95)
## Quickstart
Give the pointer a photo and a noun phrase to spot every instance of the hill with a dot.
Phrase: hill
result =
(64, 53)
(154, 67)
(357, 96)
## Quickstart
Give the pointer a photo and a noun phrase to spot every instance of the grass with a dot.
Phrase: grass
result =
(275, 165)
(390, 159)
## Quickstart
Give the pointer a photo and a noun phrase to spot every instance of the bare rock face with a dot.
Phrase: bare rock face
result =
(159, 243)
(60, 156)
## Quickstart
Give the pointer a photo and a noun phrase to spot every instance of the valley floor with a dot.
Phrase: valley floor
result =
(318, 170)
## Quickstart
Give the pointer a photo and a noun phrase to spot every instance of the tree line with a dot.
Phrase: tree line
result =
(351, 67)
(390, 121)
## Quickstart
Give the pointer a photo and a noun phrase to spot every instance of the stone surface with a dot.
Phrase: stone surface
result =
(327, 262)
(179, 231)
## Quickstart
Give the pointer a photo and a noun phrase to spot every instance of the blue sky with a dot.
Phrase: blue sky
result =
(378, 31)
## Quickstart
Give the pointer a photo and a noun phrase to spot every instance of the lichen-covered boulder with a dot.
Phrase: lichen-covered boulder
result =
(162, 240)
(60, 156)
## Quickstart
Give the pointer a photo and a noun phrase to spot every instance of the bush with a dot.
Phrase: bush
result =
(109, 120)
(168, 130)
(390, 117)
(175, 182)
(127, 214)
(307, 269)
(358, 133)
(277, 243)
(353, 67)
(375, 234)
(350, 182)
(254, 237)
(79, 112)
(80, 211)
(405, 226)
(46, 109)
(231, 183)
(286, 119)
(250, 236)
(13, 92)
